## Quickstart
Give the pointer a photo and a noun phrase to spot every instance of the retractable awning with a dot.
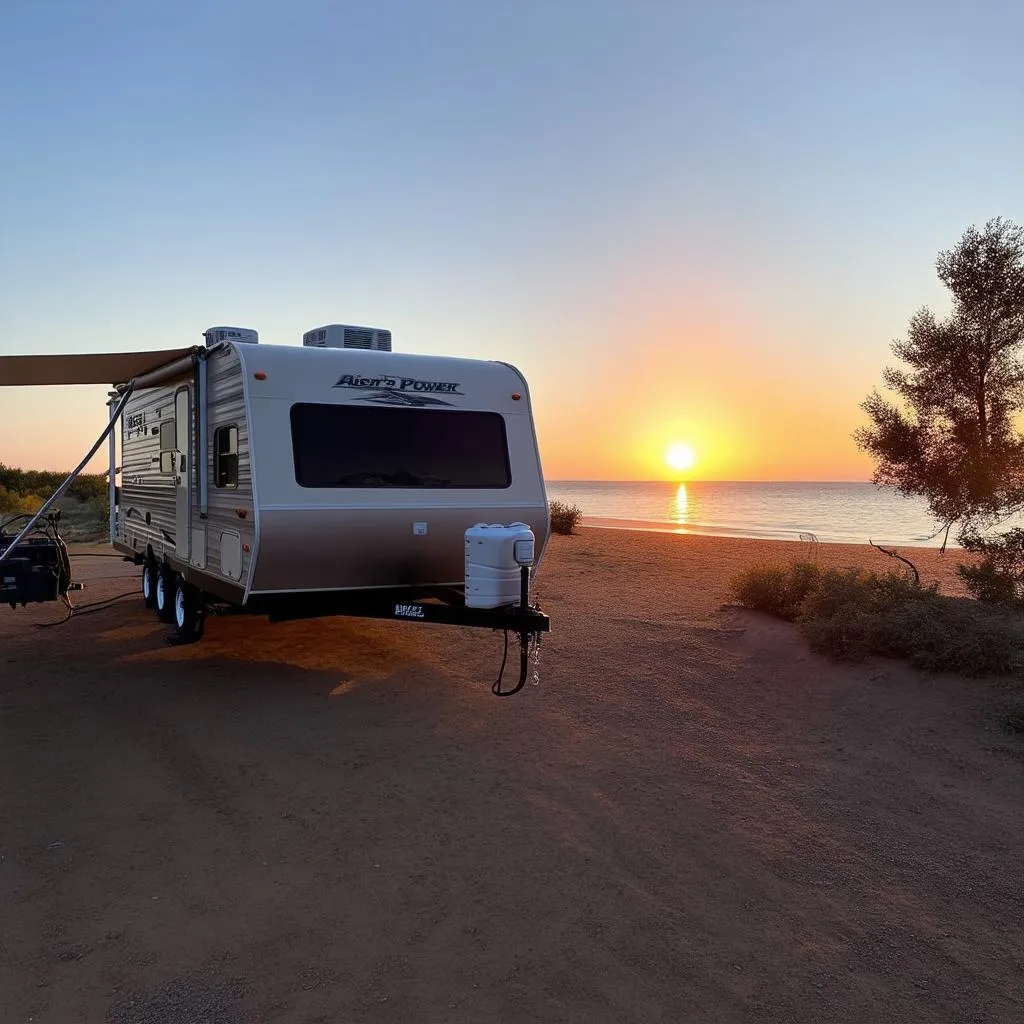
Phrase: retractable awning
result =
(89, 368)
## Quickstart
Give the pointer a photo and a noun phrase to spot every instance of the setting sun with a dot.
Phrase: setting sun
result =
(681, 456)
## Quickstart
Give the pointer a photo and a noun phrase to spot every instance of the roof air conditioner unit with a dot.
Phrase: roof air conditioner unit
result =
(215, 335)
(346, 336)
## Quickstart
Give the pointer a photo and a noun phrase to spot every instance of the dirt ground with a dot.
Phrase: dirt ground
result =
(690, 818)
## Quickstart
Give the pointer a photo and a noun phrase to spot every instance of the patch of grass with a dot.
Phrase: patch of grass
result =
(852, 614)
(565, 518)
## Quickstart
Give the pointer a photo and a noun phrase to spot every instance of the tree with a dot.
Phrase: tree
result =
(951, 436)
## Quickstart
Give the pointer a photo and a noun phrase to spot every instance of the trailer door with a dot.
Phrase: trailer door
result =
(182, 472)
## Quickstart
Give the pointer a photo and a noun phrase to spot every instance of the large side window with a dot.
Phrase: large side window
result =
(357, 446)
(225, 458)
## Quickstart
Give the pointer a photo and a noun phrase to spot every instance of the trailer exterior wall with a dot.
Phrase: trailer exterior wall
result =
(328, 538)
(230, 522)
(147, 515)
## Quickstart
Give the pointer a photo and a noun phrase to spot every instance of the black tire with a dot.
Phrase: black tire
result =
(149, 584)
(164, 594)
(189, 612)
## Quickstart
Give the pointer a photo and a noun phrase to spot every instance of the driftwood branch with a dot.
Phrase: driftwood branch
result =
(899, 557)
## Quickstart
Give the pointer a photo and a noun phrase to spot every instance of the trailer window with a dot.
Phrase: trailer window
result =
(351, 446)
(225, 447)
(167, 446)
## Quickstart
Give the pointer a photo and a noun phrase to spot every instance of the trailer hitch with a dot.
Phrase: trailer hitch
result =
(524, 664)
(525, 635)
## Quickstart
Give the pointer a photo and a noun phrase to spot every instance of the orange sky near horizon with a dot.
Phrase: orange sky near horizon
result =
(610, 417)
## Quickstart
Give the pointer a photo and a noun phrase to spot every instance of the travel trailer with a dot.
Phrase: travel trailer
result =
(335, 477)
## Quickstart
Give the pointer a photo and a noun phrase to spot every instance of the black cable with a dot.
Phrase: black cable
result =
(96, 606)
(85, 609)
(70, 610)
(496, 687)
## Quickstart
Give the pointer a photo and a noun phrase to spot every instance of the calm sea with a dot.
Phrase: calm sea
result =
(845, 513)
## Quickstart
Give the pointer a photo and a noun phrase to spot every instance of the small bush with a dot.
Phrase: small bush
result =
(853, 614)
(989, 582)
(565, 518)
(776, 590)
(999, 576)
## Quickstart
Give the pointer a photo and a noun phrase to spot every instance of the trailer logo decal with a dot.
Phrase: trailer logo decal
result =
(399, 390)
(409, 611)
(135, 423)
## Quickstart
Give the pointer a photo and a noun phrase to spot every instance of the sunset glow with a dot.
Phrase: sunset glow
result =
(676, 266)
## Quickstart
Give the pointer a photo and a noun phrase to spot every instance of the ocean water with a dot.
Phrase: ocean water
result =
(841, 513)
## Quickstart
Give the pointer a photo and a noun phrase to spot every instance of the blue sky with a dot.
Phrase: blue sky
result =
(679, 219)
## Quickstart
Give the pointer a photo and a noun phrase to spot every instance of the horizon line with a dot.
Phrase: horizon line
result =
(582, 480)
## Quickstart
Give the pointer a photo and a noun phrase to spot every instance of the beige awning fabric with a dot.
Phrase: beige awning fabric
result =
(87, 368)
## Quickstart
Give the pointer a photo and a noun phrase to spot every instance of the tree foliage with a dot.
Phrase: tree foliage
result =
(950, 436)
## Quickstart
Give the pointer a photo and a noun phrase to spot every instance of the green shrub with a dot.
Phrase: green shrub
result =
(850, 589)
(999, 576)
(844, 637)
(565, 518)
(852, 614)
(777, 590)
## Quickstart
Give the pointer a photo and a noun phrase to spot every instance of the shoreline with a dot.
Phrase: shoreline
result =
(727, 533)
(708, 564)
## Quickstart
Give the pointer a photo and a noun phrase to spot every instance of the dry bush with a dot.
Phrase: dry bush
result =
(565, 518)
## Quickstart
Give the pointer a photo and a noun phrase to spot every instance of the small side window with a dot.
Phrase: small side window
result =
(167, 438)
(225, 457)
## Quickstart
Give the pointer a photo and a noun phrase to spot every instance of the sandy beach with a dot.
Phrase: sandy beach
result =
(690, 818)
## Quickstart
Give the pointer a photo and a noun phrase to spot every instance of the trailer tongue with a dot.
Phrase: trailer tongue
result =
(440, 607)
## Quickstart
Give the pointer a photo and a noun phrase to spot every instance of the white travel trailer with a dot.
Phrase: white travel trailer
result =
(338, 477)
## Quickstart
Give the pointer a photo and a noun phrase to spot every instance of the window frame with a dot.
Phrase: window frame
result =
(167, 453)
(218, 455)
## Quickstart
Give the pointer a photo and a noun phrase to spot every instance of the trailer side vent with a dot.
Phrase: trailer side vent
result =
(348, 336)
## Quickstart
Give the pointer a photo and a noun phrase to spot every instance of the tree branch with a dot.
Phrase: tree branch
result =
(899, 557)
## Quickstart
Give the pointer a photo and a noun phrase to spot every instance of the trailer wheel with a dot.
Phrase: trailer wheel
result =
(189, 613)
(149, 583)
(164, 594)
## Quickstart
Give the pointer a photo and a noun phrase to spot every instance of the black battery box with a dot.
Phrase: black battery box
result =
(37, 570)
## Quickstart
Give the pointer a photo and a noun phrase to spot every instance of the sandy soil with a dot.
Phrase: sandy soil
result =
(689, 818)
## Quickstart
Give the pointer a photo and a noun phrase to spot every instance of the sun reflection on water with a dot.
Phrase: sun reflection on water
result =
(681, 505)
